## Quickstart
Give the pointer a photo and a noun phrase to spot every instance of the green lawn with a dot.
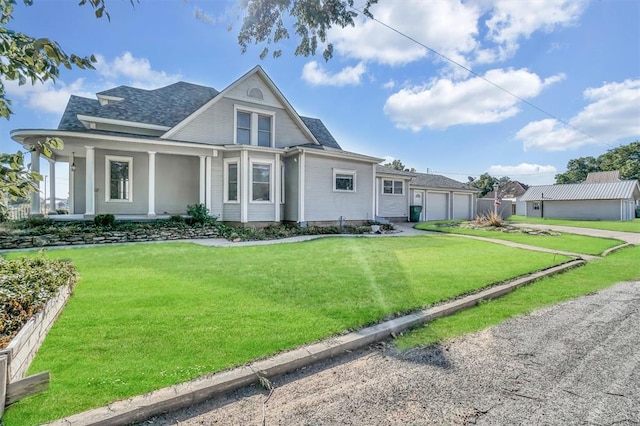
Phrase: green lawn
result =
(148, 316)
(626, 226)
(565, 242)
(621, 265)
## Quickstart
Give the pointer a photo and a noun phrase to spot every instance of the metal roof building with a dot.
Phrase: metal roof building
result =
(592, 201)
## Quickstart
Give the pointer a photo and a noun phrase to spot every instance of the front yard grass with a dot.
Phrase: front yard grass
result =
(621, 265)
(144, 317)
(565, 242)
(626, 226)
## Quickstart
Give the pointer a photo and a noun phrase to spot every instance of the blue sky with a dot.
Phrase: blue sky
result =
(381, 94)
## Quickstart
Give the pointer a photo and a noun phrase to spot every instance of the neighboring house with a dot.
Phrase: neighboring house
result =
(601, 200)
(243, 152)
(603, 177)
(512, 191)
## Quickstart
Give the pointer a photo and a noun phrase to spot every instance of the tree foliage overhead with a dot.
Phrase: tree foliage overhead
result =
(625, 159)
(265, 23)
(28, 59)
(398, 165)
(486, 182)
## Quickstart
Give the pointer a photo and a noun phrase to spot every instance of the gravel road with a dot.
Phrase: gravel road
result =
(574, 363)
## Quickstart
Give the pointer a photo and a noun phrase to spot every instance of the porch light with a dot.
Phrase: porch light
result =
(73, 162)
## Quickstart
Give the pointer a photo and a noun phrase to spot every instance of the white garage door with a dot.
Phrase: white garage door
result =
(437, 206)
(461, 206)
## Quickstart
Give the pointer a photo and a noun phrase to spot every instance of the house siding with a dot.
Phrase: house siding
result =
(217, 187)
(177, 183)
(79, 185)
(392, 205)
(587, 209)
(140, 184)
(215, 126)
(323, 204)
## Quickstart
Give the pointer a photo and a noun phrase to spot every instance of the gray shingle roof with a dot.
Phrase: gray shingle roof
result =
(320, 132)
(601, 177)
(389, 171)
(621, 190)
(512, 189)
(166, 106)
(437, 181)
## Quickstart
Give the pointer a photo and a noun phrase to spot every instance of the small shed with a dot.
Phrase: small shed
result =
(590, 201)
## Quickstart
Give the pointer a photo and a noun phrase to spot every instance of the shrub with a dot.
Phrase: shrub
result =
(104, 220)
(491, 219)
(199, 214)
(26, 285)
(176, 219)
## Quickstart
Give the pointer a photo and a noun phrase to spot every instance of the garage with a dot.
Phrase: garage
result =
(462, 206)
(437, 206)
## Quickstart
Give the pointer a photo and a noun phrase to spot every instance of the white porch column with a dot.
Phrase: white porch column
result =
(202, 178)
(90, 183)
(52, 187)
(301, 182)
(151, 212)
(72, 180)
(35, 196)
(244, 185)
(207, 184)
(278, 188)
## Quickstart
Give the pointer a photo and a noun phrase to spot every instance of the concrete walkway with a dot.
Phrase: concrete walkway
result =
(629, 237)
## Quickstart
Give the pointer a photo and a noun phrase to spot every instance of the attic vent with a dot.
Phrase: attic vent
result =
(254, 92)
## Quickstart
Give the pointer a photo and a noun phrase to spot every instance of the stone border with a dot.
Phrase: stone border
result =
(23, 347)
(172, 398)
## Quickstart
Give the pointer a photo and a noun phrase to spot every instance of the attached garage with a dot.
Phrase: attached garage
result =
(462, 206)
(437, 206)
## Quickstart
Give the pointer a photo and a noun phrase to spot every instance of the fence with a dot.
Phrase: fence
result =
(18, 212)
(486, 207)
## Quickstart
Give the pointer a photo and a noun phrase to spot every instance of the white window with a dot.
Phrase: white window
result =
(243, 136)
(344, 180)
(264, 130)
(118, 178)
(536, 205)
(231, 180)
(254, 126)
(261, 182)
(392, 187)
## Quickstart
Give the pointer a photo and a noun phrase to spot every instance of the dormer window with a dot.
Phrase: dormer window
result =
(254, 92)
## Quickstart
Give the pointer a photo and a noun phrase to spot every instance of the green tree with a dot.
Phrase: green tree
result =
(264, 23)
(578, 169)
(624, 158)
(486, 182)
(398, 165)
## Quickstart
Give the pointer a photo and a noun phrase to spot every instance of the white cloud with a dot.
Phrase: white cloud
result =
(136, 72)
(52, 98)
(522, 169)
(446, 26)
(444, 103)
(313, 74)
(468, 32)
(389, 84)
(511, 21)
(47, 97)
(613, 114)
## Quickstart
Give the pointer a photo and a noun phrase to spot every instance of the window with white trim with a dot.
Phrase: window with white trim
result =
(344, 180)
(231, 181)
(118, 178)
(254, 126)
(392, 187)
(243, 135)
(261, 180)
(536, 205)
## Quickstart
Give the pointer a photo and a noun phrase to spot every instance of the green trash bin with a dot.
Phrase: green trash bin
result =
(414, 213)
(638, 213)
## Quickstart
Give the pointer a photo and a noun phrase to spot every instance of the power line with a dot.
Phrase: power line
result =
(566, 123)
